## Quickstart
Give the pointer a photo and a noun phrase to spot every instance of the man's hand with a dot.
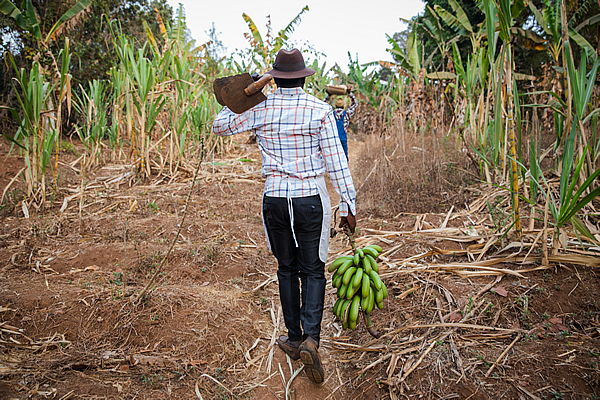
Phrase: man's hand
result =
(349, 221)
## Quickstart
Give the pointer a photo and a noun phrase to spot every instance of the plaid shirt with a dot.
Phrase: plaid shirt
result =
(349, 111)
(297, 138)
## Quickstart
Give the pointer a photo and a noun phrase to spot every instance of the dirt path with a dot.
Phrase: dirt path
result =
(69, 330)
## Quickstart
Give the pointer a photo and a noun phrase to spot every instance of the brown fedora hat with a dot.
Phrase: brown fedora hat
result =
(289, 64)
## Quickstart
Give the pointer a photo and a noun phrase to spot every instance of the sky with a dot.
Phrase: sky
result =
(331, 27)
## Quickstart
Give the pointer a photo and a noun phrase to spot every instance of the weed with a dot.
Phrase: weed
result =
(153, 207)
(470, 305)
(211, 253)
(530, 338)
(523, 302)
(546, 277)
(149, 380)
(545, 316)
(235, 281)
(564, 334)
(488, 307)
(557, 395)
(499, 217)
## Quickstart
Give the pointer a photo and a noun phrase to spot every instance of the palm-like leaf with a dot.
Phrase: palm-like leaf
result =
(461, 16)
(70, 14)
(10, 10)
(33, 25)
(398, 54)
(447, 17)
(256, 42)
(588, 22)
(582, 42)
(283, 35)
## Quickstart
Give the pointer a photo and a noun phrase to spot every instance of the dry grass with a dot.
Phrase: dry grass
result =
(404, 172)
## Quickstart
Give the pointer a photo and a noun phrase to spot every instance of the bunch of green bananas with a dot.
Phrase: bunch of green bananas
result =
(359, 285)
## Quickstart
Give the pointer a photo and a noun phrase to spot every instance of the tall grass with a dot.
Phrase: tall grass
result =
(490, 113)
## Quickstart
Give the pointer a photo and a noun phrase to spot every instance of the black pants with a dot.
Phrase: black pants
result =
(298, 264)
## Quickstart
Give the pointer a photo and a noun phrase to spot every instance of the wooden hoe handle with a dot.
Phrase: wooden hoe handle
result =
(258, 85)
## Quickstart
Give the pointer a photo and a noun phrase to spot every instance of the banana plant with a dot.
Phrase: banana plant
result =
(432, 25)
(460, 22)
(263, 51)
(408, 59)
(27, 19)
(316, 83)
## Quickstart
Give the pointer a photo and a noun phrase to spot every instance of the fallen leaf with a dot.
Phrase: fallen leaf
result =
(454, 316)
(557, 325)
(500, 291)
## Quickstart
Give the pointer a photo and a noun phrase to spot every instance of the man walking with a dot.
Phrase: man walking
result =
(297, 137)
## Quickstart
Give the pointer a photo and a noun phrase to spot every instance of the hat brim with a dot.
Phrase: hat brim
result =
(292, 74)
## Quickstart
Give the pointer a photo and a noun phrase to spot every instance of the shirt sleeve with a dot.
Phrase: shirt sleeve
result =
(337, 165)
(353, 106)
(229, 123)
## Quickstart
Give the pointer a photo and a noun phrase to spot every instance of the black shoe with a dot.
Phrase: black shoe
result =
(289, 347)
(312, 362)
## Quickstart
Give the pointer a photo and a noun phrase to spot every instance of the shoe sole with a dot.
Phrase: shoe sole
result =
(313, 369)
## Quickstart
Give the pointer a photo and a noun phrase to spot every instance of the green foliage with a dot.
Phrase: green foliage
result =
(262, 51)
(35, 133)
(93, 104)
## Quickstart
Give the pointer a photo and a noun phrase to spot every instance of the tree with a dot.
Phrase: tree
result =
(263, 50)
(474, 15)
(93, 54)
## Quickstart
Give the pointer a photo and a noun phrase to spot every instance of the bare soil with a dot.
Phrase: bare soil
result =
(69, 330)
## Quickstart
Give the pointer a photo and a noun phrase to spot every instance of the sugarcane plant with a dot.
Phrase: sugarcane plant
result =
(36, 133)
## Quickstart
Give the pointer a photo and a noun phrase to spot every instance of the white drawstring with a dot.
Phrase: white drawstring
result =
(291, 211)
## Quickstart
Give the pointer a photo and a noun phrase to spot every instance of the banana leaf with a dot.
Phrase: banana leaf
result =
(10, 10)
(33, 25)
(584, 44)
(447, 17)
(461, 16)
(283, 35)
(588, 22)
(257, 39)
(441, 75)
(71, 13)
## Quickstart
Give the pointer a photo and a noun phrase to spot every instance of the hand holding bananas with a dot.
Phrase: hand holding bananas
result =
(349, 221)
(359, 285)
